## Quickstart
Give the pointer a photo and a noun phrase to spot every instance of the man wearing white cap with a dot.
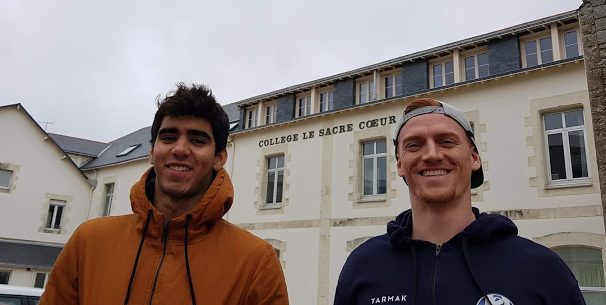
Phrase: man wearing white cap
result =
(453, 254)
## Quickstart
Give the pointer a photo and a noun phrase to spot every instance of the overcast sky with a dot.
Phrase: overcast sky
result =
(94, 68)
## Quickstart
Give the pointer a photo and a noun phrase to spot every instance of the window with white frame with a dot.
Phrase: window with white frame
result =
(476, 66)
(366, 91)
(327, 101)
(304, 106)
(538, 51)
(251, 118)
(271, 114)
(442, 74)
(55, 212)
(275, 180)
(108, 196)
(374, 168)
(586, 265)
(566, 147)
(571, 44)
(5, 178)
(40, 279)
(393, 85)
(5, 276)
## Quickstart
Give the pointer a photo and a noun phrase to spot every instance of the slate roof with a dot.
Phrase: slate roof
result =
(78, 146)
(110, 156)
(232, 112)
(21, 255)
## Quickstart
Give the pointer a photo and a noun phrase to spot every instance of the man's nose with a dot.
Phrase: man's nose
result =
(181, 148)
(432, 151)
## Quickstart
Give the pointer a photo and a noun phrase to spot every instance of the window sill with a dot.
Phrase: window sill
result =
(370, 199)
(50, 230)
(269, 206)
(568, 184)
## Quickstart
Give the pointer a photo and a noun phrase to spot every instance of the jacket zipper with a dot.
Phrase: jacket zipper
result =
(435, 273)
(164, 242)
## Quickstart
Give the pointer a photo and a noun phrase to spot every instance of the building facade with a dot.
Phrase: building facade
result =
(314, 169)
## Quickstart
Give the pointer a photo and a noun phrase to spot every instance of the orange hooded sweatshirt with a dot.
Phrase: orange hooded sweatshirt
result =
(197, 258)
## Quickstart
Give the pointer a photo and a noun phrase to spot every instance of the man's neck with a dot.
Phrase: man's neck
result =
(174, 207)
(438, 223)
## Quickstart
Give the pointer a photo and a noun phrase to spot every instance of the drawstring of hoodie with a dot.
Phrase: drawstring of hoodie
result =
(191, 284)
(132, 274)
(413, 251)
(473, 276)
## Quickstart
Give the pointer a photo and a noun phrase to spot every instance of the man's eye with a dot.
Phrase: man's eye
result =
(167, 138)
(199, 141)
(412, 146)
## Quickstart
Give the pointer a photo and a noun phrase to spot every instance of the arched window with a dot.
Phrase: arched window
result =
(587, 266)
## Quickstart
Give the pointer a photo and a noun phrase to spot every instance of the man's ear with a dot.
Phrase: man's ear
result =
(476, 162)
(220, 159)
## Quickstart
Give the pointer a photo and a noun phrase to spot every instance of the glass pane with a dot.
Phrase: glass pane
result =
(399, 90)
(470, 74)
(449, 78)
(5, 177)
(372, 90)
(368, 176)
(577, 154)
(381, 175)
(437, 70)
(363, 92)
(530, 48)
(279, 187)
(449, 67)
(585, 263)
(546, 53)
(572, 51)
(571, 43)
(388, 92)
(469, 62)
(389, 81)
(272, 162)
(556, 156)
(270, 187)
(437, 81)
(553, 121)
(483, 71)
(398, 79)
(10, 301)
(280, 161)
(369, 148)
(59, 210)
(532, 60)
(49, 218)
(574, 118)
(380, 147)
(39, 282)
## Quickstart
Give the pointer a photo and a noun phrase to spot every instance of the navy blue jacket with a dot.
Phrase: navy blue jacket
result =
(487, 260)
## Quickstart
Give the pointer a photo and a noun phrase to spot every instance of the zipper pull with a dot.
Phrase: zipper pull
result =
(438, 248)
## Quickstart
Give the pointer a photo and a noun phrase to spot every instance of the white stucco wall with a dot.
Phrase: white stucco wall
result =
(43, 173)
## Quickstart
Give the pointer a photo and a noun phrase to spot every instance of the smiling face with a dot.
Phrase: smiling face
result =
(184, 157)
(437, 159)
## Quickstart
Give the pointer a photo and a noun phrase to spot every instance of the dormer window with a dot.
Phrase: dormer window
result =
(128, 150)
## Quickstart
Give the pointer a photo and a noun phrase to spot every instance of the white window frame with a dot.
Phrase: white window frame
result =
(35, 274)
(374, 156)
(108, 197)
(276, 171)
(567, 159)
(52, 215)
(442, 63)
(271, 113)
(579, 42)
(251, 117)
(369, 94)
(327, 100)
(10, 179)
(393, 90)
(538, 51)
(303, 107)
(476, 65)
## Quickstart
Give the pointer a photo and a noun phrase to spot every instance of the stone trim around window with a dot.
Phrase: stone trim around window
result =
(14, 168)
(537, 151)
(64, 214)
(261, 178)
(355, 166)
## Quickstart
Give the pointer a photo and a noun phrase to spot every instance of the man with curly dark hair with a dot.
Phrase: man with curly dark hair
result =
(175, 248)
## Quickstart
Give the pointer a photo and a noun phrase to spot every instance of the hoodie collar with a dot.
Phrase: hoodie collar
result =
(485, 228)
(212, 206)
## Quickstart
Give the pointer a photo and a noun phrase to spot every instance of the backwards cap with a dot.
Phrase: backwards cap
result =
(477, 176)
